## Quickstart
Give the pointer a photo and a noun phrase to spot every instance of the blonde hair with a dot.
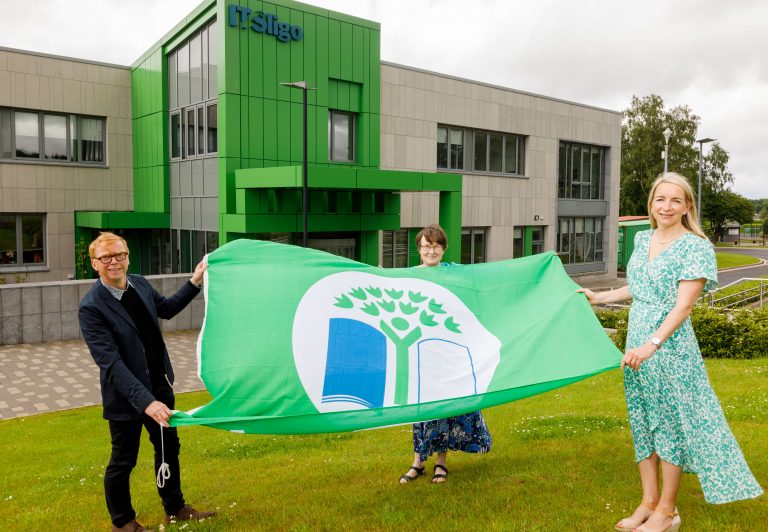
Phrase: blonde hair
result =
(690, 218)
(104, 238)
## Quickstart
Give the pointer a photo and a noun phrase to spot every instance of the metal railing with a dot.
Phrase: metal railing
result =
(751, 295)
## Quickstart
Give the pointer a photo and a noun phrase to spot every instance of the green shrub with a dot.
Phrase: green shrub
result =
(740, 333)
(617, 320)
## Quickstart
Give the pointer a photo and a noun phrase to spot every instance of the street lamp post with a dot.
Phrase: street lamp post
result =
(701, 168)
(304, 86)
(667, 135)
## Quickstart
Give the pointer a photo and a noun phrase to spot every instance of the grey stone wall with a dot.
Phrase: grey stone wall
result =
(45, 312)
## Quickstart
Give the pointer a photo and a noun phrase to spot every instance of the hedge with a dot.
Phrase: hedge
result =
(739, 333)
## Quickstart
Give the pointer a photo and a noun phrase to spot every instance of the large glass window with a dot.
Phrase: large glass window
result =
(395, 248)
(581, 171)
(481, 152)
(27, 135)
(213, 130)
(195, 69)
(518, 242)
(189, 247)
(55, 131)
(341, 136)
(51, 137)
(22, 240)
(212, 61)
(450, 148)
(192, 82)
(191, 132)
(182, 65)
(176, 135)
(200, 130)
(486, 151)
(6, 150)
(91, 140)
(580, 240)
(473, 245)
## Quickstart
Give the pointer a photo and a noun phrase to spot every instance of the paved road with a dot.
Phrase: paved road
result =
(761, 270)
(36, 378)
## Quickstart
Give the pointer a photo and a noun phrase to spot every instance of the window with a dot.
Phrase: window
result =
(176, 135)
(40, 136)
(486, 151)
(200, 130)
(341, 136)
(581, 171)
(55, 130)
(580, 240)
(27, 135)
(191, 133)
(192, 82)
(22, 240)
(188, 247)
(537, 240)
(518, 242)
(473, 246)
(450, 148)
(91, 140)
(213, 131)
(395, 249)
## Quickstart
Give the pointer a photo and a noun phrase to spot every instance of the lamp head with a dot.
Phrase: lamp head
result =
(705, 140)
(295, 84)
(667, 135)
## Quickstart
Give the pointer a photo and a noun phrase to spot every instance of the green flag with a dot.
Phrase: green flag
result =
(300, 341)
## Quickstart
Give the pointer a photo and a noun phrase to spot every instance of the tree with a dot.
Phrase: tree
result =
(725, 206)
(642, 142)
(403, 319)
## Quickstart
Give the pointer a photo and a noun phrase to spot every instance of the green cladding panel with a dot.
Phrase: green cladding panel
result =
(260, 123)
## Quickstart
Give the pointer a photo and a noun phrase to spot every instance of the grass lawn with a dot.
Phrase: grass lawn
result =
(560, 461)
(731, 260)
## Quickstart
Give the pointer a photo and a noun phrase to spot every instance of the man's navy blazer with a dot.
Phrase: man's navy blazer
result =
(114, 342)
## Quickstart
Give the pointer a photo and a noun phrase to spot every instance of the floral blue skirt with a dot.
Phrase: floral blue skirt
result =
(467, 433)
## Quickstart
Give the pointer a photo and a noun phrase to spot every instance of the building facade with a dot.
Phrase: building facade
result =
(201, 142)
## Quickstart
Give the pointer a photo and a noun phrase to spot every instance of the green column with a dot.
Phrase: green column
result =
(369, 247)
(450, 220)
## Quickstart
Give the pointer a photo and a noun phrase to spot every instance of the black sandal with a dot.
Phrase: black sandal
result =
(440, 475)
(406, 478)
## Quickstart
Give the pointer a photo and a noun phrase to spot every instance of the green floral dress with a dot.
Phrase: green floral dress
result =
(672, 407)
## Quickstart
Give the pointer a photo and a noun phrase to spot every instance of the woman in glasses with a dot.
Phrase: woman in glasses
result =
(467, 432)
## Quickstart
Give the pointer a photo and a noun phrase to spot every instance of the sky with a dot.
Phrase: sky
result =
(702, 53)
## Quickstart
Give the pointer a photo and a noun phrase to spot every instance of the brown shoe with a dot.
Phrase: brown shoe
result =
(133, 526)
(187, 513)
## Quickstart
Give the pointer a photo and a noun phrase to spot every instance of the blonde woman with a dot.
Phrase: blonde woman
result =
(676, 420)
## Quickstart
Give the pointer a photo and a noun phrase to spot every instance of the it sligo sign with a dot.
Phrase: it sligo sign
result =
(260, 22)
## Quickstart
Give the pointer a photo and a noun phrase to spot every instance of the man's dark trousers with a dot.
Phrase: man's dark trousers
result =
(125, 450)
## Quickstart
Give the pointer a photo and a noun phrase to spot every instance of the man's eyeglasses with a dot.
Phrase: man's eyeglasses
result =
(437, 248)
(106, 259)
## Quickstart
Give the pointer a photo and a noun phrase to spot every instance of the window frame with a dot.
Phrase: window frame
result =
(199, 147)
(595, 237)
(20, 265)
(473, 232)
(469, 149)
(594, 185)
(391, 261)
(352, 134)
(72, 125)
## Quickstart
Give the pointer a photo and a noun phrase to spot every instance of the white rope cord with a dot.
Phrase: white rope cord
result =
(164, 471)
